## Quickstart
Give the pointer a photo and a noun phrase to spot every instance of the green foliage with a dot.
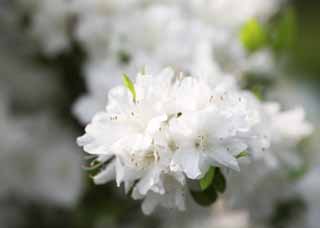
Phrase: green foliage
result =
(242, 154)
(297, 173)
(206, 181)
(206, 197)
(253, 35)
(211, 185)
(257, 84)
(287, 211)
(219, 181)
(284, 31)
(128, 83)
(279, 35)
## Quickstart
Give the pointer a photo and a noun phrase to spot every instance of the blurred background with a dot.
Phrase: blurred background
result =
(47, 97)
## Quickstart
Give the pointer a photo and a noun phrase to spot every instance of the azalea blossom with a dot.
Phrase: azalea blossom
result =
(170, 127)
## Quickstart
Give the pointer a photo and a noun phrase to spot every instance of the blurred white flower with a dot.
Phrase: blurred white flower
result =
(51, 25)
(253, 188)
(232, 14)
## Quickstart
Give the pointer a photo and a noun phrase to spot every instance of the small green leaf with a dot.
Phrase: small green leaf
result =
(206, 181)
(128, 83)
(219, 181)
(242, 154)
(253, 36)
(205, 198)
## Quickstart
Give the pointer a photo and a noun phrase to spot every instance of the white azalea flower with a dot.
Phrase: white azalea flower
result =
(199, 148)
(152, 139)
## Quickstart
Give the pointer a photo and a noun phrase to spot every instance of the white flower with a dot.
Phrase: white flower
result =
(170, 127)
(127, 131)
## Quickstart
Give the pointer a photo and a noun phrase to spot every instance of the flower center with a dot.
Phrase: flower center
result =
(142, 159)
(201, 142)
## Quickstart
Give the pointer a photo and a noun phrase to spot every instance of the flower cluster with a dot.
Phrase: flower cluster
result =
(163, 129)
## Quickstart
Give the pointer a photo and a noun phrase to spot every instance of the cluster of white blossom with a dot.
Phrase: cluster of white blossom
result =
(167, 127)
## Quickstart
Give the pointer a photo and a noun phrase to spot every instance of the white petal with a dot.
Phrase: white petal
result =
(188, 160)
(222, 157)
(105, 175)
(155, 124)
(147, 182)
(120, 172)
(150, 203)
(180, 200)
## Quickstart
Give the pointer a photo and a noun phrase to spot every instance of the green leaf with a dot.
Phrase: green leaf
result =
(128, 83)
(211, 184)
(205, 198)
(242, 154)
(219, 181)
(253, 36)
(206, 181)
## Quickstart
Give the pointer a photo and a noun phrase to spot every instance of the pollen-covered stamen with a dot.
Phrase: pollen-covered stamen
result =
(113, 118)
(202, 142)
(144, 159)
(173, 146)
